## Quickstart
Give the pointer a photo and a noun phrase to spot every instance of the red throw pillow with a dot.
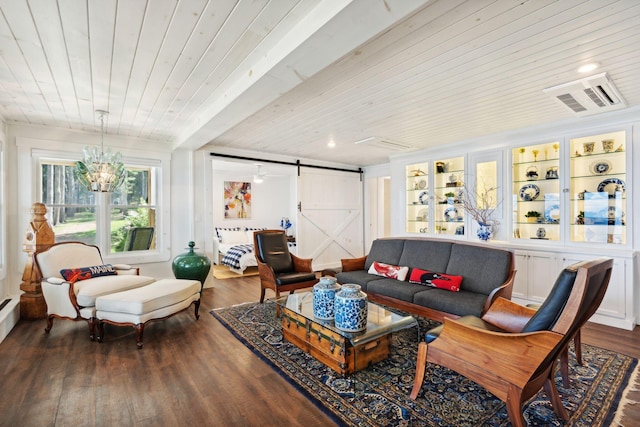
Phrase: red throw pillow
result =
(437, 280)
(390, 271)
(82, 273)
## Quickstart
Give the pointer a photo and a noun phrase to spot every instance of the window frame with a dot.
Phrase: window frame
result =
(3, 216)
(33, 153)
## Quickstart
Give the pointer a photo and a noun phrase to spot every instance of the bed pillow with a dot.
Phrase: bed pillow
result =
(73, 275)
(233, 237)
(219, 231)
(437, 280)
(390, 271)
(250, 231)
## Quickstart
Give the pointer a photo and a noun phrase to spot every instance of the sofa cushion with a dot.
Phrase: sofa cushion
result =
(389, 271)
(436, 280)
(88, 290)
(483, 269)
(387, 251)
(73, 275)
(392, 288)
(358, 277)
(426, 254)
(458, 303)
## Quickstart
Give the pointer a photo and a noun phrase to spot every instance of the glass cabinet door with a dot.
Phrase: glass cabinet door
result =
(448, 212)
(417, 176)
(536, 191)
(597, 188)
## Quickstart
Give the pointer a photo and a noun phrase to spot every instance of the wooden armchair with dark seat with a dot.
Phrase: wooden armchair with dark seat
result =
(279, 269)
(512, 350)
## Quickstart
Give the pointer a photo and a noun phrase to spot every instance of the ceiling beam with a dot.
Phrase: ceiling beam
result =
(327, 33)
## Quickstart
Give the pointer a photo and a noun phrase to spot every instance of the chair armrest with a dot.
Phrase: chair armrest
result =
(511, 356)
(266, 273)
(507, 315)
(353, 264)
(60, 298)
(503, 291)
(302, 265)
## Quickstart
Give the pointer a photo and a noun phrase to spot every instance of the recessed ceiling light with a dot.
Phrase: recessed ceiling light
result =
(587, 68)
(331, 144)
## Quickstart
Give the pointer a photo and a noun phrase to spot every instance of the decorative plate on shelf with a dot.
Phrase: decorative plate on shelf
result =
(529, 192)
(451, 214)
(552, 214)
(422, 184)
(423, 198)
(601, 167)
(611, 186)
(424, 214)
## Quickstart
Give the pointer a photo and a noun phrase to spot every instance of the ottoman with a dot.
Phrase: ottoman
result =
(156, 301)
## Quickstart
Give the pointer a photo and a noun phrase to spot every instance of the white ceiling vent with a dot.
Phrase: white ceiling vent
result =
(375, 141)
(591, 95)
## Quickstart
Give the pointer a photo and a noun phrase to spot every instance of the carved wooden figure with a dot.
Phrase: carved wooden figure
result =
(38, 237)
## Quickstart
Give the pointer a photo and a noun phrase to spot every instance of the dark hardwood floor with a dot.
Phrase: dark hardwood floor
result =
(189, 373)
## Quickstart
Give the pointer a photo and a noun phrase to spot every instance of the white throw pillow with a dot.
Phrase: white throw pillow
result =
(390, 271)
(233, 237)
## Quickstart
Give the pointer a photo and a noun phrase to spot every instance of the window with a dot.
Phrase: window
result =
(108, 220)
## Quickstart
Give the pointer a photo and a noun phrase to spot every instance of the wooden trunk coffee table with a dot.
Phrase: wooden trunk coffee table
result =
(344, 352)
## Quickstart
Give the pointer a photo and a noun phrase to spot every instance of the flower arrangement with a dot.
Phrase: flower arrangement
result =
(285, 224)
(481, 205)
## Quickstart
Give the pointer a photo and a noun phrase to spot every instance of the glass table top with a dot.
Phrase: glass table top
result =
(380, 321)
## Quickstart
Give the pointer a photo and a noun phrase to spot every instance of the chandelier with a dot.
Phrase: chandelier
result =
(101, 171)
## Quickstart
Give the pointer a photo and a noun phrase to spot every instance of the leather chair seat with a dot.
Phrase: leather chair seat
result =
(294, 277)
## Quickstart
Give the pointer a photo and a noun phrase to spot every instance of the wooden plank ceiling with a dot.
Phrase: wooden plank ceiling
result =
(285, 77)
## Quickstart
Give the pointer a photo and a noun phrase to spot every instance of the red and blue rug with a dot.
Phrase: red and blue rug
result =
(379, 395)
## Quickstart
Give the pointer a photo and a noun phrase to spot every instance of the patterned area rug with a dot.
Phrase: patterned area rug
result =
(379, 395)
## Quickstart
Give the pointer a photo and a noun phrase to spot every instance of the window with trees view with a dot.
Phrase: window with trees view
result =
(112, 221)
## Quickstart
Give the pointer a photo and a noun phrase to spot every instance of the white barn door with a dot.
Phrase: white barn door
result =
(330, 224)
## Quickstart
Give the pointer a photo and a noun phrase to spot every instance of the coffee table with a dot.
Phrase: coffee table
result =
(344, 352)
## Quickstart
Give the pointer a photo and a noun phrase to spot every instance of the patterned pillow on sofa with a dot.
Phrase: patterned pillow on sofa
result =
(436, 280)
(73, 275)
(390, 271)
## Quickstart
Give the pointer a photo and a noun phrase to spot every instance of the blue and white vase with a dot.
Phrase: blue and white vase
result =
(484, 231)
(351, 309)
(324, 293)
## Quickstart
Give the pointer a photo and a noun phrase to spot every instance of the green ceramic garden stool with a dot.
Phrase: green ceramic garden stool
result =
(192, 265)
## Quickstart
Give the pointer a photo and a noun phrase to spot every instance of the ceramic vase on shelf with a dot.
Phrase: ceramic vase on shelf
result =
(351, 309)
(484, 232)
(324, 294)
(192, 265)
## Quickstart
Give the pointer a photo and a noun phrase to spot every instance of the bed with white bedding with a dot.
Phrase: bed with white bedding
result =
(235, 248)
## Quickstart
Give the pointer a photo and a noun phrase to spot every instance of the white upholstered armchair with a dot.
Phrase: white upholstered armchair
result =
(75, 298)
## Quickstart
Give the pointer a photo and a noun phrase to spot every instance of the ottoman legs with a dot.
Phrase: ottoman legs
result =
(139, 327)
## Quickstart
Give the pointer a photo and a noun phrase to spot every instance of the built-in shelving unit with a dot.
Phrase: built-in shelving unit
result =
(536, 191)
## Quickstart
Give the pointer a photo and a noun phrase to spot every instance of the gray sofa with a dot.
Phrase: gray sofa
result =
(487, 274)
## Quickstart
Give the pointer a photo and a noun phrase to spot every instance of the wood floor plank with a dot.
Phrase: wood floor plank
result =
(190, 372)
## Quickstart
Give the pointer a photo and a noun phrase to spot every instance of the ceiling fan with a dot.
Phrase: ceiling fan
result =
(259, 175)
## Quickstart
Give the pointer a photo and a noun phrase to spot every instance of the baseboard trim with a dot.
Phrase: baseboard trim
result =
(9, 315)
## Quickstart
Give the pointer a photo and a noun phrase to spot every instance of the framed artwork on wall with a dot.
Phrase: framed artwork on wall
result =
(237, 199)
